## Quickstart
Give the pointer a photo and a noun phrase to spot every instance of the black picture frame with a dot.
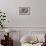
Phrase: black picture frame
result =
(24, 10)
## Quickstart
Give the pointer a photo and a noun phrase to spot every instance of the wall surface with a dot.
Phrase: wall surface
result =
(36, 21)
(37, 17)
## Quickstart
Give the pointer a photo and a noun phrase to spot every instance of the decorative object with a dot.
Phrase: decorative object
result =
(44, 44)
(8, 40)
(2, 19)
(7, 30)
(24, 10)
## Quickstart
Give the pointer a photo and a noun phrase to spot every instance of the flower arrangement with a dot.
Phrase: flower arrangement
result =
(2, 19)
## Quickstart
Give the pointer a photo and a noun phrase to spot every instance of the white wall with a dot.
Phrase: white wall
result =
(39, 13)
(36, 19)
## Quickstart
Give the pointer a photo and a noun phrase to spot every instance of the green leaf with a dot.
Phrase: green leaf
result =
(3, 19)
(4, 16)
(0, 12)
(2, 26)
(0, 21)
(4, 13)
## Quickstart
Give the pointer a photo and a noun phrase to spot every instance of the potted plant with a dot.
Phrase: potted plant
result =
(2, 19)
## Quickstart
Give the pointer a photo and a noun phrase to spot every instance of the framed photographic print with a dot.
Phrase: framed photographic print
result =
(24, 10)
